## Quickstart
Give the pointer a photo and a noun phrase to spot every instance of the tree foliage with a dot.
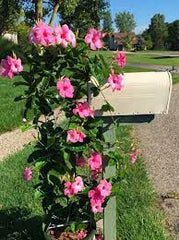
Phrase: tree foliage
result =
(158, 31)
(173, 35)
(125, 22)
(107, 22)
(9, 14)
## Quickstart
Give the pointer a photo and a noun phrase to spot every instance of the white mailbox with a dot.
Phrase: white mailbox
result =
(144, 93)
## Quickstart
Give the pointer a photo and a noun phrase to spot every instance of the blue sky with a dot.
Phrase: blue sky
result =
(143, 10)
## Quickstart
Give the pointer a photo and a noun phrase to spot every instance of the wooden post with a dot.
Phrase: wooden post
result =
(109, 224)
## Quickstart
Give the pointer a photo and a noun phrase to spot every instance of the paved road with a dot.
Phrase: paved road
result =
(154, 67)
(159, 142)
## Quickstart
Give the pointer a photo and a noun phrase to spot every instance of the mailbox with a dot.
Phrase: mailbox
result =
(144, 93)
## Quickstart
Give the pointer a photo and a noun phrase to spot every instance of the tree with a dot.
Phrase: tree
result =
(9, 14)
(107, 22)
(173, 35)
(125, 22)
(158, 31)
(86, 14)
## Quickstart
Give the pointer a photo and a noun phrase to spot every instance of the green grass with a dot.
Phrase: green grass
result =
(137, 215)
(11, 112)
(152, 59)
(145, 57)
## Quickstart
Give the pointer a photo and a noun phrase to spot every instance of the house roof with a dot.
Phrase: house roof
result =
(121, 37)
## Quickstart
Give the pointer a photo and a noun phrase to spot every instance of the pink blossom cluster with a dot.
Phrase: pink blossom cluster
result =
(27, 174)
(116, 82)
(121, 59)
(10, 66)
(95, 161)
(75, 136)
(95, 164)
(97, 196)
(82, 234)
(72, 188)
(66, 89)
(45, 35)
(93, 38)
(84, 110)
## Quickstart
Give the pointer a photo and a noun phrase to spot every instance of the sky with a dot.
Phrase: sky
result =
(143, 10)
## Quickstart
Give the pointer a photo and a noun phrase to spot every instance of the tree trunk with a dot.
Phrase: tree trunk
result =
(39, 9)
(54, 13)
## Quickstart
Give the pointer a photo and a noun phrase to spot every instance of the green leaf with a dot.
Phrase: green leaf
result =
(72, 226)
(107, 107)
(63, 201)
(26, 127)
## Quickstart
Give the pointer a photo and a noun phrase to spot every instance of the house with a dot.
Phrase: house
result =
(118, 41)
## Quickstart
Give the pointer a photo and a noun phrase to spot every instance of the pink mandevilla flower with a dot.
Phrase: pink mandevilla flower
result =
(93, 38)
(78, 185)
(41, 34)
(80, 162)
(105, 187)
(66, 89)
(69, 190)
(27, 174)
(133, 157)
(99, 237)
(10, 66)
(63, 35)
(73, 188)
(75, 136)
(82, 234)
(96, 200)
(84, 110)
(95, 161)
(121, 59)
(116, 82)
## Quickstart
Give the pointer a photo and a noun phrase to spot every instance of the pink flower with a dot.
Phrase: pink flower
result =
(84, 110)
(10, 66)
(80, 162)
(95, 161)
(81, 136)
(121, 59)
(66, 90)
(96, 200)
(73, 188)
(41, 34)
(82, 234)
(96, 196)
(75, 136)
(78, 185)
(93, 38)
(27, 175)
(116, 81)
(99, 237)
(105, 188)
(133, 157)
(97, 208)
(69, 190)
(63, 35)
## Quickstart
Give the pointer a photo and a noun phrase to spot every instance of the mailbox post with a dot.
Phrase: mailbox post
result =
(144, 95)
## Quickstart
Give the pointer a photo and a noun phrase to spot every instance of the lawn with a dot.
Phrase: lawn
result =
(146, 57)
(138, 217)
(152, 59)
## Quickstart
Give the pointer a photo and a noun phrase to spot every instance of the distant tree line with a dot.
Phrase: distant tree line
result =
(20, 15)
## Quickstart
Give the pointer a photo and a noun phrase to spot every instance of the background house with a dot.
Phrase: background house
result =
(121, 41)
